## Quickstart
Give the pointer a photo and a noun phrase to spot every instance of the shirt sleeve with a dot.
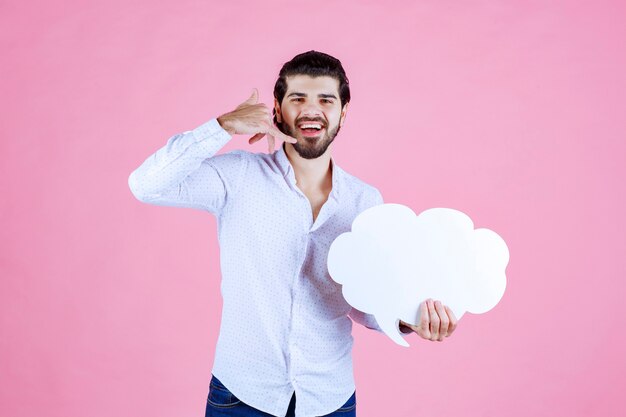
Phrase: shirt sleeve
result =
(364, 319)
(186, 173)
(378, 197)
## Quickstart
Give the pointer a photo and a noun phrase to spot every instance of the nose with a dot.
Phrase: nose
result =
(311, 110)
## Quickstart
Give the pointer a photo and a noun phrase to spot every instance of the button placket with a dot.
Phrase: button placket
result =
(295, 304)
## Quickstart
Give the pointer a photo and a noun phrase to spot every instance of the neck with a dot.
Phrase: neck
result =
(310, 173)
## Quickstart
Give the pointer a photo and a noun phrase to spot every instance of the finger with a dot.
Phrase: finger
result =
(423, 328)
(453, 320)
(280, 135)
(434, 320)
(443, 320)
(254, 97)
(270, 143)
(256, 138)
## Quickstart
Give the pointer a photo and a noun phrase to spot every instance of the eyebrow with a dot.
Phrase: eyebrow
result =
(319, 95)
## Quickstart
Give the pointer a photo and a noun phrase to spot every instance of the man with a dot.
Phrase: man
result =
(285, 331)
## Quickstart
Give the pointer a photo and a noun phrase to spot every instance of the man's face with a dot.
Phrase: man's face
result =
(311, 101)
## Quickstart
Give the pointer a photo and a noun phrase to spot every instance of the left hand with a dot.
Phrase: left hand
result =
(436, 321)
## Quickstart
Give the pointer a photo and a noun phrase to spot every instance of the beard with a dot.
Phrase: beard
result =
(311, 148)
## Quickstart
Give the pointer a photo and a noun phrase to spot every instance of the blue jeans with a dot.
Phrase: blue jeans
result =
(222, 403)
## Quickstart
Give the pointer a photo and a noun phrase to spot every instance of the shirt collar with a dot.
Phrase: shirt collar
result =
(283, 162)
(286, 169)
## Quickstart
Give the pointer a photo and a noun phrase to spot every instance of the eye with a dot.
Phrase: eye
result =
(298, 99)
(327, 100)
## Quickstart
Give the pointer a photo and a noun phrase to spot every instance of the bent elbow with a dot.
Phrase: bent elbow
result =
(135, 187)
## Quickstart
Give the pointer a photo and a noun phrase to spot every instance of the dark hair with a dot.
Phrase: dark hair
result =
(314, 64)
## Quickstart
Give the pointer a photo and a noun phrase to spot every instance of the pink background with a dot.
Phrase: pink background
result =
(512, 112)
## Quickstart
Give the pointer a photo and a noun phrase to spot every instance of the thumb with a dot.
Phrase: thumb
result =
(253, 98)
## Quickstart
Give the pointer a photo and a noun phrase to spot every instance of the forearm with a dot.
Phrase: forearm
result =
(171, 164)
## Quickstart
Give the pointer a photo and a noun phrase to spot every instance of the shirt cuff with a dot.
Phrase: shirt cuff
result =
(211, 129)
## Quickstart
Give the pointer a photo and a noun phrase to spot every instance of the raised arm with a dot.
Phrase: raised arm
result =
(182, 174)
(187, 173)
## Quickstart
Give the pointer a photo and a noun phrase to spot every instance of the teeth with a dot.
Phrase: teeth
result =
(310, 125)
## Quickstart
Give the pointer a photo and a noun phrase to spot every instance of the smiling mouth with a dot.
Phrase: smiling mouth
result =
(311, 129)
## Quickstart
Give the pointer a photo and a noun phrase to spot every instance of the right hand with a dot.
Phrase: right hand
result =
(436, 321)
(255, 118)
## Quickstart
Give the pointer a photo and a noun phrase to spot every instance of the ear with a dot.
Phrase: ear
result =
(343, 114)
(277, 108)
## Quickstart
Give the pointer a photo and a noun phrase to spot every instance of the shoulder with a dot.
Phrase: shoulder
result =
(232, 159)
(234, 154)
(242, 160)
(362, 191)
(252, 157)
(231, 166)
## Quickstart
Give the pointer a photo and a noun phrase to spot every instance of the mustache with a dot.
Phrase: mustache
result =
(320, 121)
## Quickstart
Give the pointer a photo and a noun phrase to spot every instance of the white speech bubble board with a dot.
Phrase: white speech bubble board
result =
(392, 260)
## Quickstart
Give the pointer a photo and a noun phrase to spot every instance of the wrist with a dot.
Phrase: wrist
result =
(225, 125)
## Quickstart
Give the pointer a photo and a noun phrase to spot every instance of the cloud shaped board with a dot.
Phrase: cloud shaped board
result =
(392, 260)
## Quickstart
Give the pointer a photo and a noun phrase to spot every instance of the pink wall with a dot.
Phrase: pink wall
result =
(512, 112)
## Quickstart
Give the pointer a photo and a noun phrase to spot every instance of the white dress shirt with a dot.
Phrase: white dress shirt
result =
(285, 322)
